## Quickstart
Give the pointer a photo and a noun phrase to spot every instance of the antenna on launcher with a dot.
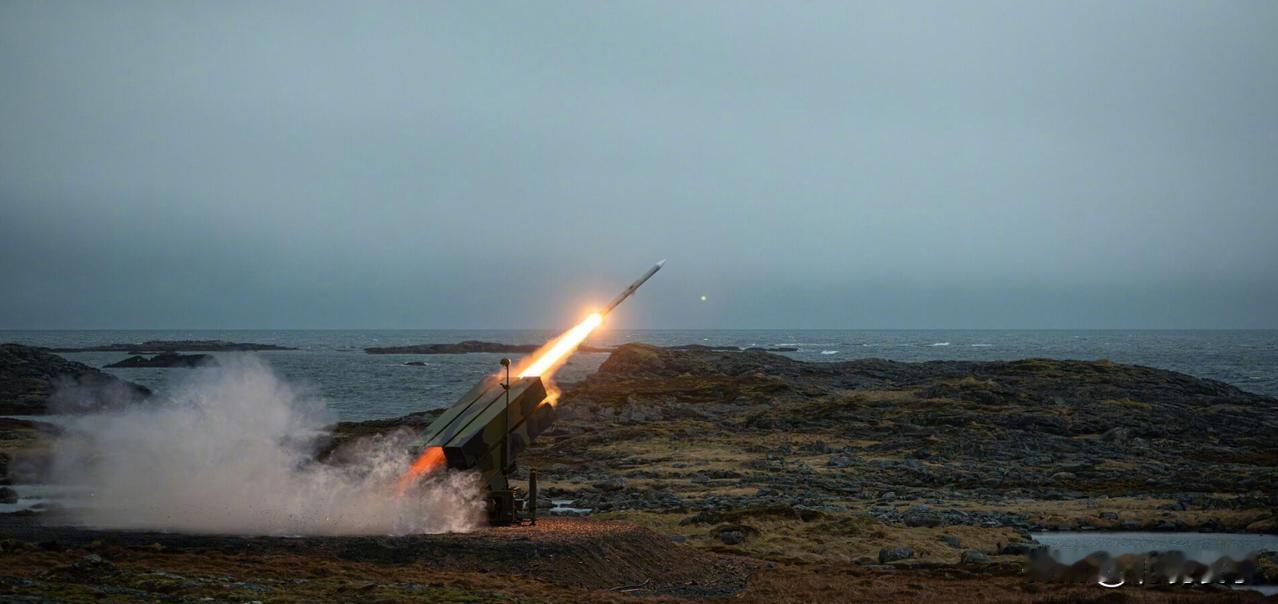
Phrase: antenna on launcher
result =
(505, 439)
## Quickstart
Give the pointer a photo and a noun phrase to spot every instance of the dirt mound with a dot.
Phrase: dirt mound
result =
(582, 553)
(570, 552)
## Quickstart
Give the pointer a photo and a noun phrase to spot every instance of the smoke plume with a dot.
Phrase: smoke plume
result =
(231, 451)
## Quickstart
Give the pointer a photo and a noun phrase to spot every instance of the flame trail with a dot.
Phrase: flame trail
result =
(564, 344)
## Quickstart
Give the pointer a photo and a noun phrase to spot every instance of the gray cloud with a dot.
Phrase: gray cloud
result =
(1071, 164)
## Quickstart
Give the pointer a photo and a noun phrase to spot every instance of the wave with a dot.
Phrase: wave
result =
(829, 352)
(940, 344)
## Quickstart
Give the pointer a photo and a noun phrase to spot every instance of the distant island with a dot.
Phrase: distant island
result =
(158, 346)
(165, 359)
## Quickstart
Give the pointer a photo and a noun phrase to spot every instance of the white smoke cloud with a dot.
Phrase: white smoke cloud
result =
(229, 451)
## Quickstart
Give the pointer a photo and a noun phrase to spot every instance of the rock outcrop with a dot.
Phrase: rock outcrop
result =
(1035, 425)
(33, 381)
(166, 359)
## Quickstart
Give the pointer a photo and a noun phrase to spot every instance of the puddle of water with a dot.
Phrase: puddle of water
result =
(1201, 547)
(563, 506)
(40, 495)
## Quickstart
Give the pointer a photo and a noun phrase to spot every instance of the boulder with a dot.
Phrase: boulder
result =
(731, 537)
(893, 554)
(1020, 549)
(615, 483)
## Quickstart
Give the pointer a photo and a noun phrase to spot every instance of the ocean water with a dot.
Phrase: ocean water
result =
(331, 364)
(1069, 547)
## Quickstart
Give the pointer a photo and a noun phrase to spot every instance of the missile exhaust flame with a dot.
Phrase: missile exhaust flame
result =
(562, 345)
(430, 460)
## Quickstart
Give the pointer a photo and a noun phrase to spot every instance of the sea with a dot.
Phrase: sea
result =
(331, 365)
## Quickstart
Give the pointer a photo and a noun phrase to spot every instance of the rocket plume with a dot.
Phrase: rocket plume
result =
(564, 344)
(430, 460)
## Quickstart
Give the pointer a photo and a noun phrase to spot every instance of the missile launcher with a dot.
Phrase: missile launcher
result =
(484, 432)
(495, 421)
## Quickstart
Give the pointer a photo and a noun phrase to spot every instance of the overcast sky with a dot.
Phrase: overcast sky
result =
(802, 165)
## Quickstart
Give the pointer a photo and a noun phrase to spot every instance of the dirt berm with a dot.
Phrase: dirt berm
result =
(570, 552)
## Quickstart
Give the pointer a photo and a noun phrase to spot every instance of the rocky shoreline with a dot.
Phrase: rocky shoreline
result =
(730, 447)
(33, 381)
(883, 479)
(1011, 444)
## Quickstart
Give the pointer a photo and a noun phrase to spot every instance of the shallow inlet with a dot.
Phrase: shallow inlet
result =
(1070, 547)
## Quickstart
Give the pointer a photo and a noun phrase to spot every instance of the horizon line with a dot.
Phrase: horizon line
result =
(645, 329)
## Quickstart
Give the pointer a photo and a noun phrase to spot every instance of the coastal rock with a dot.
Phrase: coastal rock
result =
(166, 359)
(840, 461)
(893, 554)
(1043, 425)
(33, 382)
(1020, 549)
(342, 439)
(8, 495)
(615, 483)
(909, 447)
(731, 537)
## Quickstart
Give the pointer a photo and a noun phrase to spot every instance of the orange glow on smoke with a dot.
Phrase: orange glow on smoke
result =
(430, 460)
(551, 359)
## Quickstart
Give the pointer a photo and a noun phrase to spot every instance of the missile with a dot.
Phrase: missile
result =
(631, 290)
